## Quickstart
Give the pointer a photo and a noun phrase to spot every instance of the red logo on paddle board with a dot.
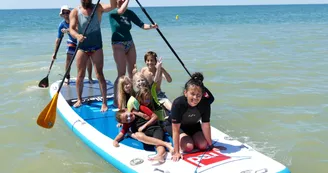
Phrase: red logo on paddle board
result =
(202, 159)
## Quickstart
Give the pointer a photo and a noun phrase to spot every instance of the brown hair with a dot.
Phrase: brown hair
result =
(195, 80)
(118, 115)
(151, 54)
(142, 93)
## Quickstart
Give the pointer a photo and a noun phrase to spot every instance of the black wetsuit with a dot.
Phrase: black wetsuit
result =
(189, 117)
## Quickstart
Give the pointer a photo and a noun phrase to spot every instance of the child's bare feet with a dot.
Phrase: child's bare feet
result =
(158, 159)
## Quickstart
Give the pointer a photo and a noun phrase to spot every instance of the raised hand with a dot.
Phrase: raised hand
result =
(159, 63)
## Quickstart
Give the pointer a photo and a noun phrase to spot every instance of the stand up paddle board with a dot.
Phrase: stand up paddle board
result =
(97, 130)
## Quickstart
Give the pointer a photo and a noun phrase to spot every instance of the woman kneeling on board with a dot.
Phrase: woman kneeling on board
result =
(185, 128)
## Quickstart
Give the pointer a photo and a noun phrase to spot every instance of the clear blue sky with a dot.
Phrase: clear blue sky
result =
(27, 4)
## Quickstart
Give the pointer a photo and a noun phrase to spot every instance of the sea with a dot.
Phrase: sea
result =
(267, 66)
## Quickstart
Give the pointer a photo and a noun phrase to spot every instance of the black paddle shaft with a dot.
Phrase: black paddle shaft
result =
(44, 83)
(160, 33)
(56, 51)
(78, 45)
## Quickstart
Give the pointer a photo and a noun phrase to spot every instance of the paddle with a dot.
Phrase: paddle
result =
(160, 33)
(44, 83)
(47, 117)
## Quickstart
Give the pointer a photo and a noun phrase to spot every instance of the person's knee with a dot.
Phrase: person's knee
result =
(100, 76)
(188, 147)
(81, 74)
(68, 58)
(121, 72)
(139, 136)
(202, 145)
(186, 144)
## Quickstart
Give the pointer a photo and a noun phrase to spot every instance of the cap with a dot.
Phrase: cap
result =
(64, 7)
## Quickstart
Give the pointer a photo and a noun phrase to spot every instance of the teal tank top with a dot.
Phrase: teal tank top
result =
(93, 34)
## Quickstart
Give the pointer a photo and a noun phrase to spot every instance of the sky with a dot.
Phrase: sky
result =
(32, 4)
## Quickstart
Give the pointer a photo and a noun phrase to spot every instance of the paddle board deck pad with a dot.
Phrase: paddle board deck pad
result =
(97, 130)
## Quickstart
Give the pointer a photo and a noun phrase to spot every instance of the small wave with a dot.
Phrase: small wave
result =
(6, 126)
(33, 88)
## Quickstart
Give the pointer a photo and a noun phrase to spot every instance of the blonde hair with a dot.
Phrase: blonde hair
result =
(121, 93)
(136, 77)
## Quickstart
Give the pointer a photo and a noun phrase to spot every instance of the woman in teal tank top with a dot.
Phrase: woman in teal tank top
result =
(124, 50)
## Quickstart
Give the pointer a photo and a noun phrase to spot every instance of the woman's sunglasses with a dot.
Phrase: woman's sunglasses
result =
(128, 117)
(65, 12)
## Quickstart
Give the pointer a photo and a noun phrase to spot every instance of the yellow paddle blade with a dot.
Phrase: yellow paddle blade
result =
(47, 117)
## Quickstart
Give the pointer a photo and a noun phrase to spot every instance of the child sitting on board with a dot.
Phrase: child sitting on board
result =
(154, 67)
(124, 89)
(139, 81)
(146, 131)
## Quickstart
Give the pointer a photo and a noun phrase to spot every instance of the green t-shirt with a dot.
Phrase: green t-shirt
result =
(121, 24)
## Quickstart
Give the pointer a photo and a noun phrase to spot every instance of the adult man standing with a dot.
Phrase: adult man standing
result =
(90, 45)
(63, 28)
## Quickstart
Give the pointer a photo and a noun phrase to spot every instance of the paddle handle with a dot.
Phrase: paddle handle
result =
(160, 33)
(78, 45)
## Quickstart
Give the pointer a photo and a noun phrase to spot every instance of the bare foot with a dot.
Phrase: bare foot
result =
(158, 159)
(90, 80)
(169, 147)
(104, 108)
(77, 104)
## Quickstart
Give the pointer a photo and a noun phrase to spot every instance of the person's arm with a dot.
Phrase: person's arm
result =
(108, 7)
(153, 117)
(206, 127)
(136, 20)
(176, 137)
(167, 76)
(59, 35)
(141, 114)
(149, 26)
(176, 116)
(73, 26)
(158, 73)
(152, 120)
(117, 139)
(208, 95)
(123, 7)
(205, 108)
(56, 45)
(120, 135)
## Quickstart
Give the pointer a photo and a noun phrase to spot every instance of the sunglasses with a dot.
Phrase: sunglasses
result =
(128, 117)
(65, 12)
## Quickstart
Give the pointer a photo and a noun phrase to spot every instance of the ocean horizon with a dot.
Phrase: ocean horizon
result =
(266, 66)
(214, 5)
